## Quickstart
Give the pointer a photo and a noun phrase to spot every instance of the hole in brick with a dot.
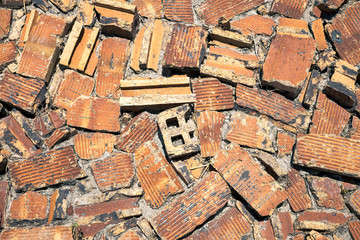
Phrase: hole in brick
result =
(172, 123)
(191, 134)
(177, 140)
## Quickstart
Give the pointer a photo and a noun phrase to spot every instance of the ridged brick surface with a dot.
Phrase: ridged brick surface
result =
(289, 8)
(93, 145)
(298, 195)
(29, 206)
(56, 232)
(179, 10)
(7, 53)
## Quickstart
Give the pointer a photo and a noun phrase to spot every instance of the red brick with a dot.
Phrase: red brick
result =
(210, 194)
(222, 49)
(3, 200)
(289, 8)
(319, 35)
(7, 54)
(139, 130)
(293, 27)
(31, 18)
(282, 225)
(328, 153)
(249, 179)
(321, 221)
(179, 10)
(254, 24)
(212, 95)
(160, 29)
(209, 125)
(93, 145)
(5, 21)
(155, 174)
(29, 206)
(354, 201)
(355, 131)
(285, 144)
(49, 121)
(299, 237)
(263, 230)
(114, 172)
(330, 5)
(57, 136)
(86, 13)
(273, 164)
(279, 69)
(314, 235)
(98, 114)
(354, 228)
(89, 231)
(327, 192)
(149, 8)
(298, 194)
(46, 169)
(41, 233)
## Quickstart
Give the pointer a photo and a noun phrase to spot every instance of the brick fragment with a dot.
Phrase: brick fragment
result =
(282, 225)
(93, 145)
(354, 228)
(27, 128)
(137, 49)
(7, 54)
(328, 153)
(3, 200)
(321, 221)
(314, 235)
(274, 105)
(48, 122)
(5, 21)
(58, 205)
(113, 172)
(329, 6)
(254, 24)
(293, 27)
(312, 89)
(90, 230)
(179, 11)
(64, 5)
(178, 134)
(226, 51)
(190, 169)
(149, 8)
(298, 194)
(123, 226)
(210, 194)
(232, 222)
(46, 169)
(232, 38)
(291, 9)
(15, 3)
(147, 230)
(355, 131)
(249, 179)
(29, 206)
(285, 144)
(53, 232)
(139, 130)
(156, 176)
(57, 136)
(326, 59)
(42, 4)
(263, 230)
(132, 235)
(319, 35)
(275, 165)
(86, 12)
(98, 114)
(354, 201)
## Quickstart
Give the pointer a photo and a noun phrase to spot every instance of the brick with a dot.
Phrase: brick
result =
(86, 13)
(186, 48)
(291, 9)
(328, 153)
(232, 223)
(312, 89)
(46, 169)
(354, 201)
(58, 205)
(29, 206)
(41, 50)
(5, 21)
(212, 10)
(131, 235)
(15, 3)
(8, 54)
(274, 105)
(275, 165)
(147, 230)
(115, 4)
(319, 35)
(139, 130)
(345, 33)
(178, 133)
(3, 163)
(293, 27)
(48, 122)
(71, 87)
(59, 135)
(42, 4)
(314, 235)
(98, 114)
(65, 5)
(113, 172)
(354, 228)
(24, 93)
(123, 226)
(298, 194)
(263, 230)
(90, 230)
(3, 200)
(282, 225)
(321, 221)
(155, 174)
(251, 131)
(209, 125)
(254, 24)
(326, 191)
(299, 237)
(329, 118)
(329, 6)
(113, 58)
(249, 179)
(179, 11)
(93, 145)
(190, 169)
(137, 49)
(279, 70)
(210, 194)
(326, 59)
(355, 131)
(226, 51)
(285, 143)
(148, 40)
(26, 126)
(212, 95)
(53, 232)
(149, 8)
(232, 38)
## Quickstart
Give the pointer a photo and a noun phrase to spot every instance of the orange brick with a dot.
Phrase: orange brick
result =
(31, 18)
(46, 169)
(329, 6)
(354, 228)
(48, 122)
(289, 8)
(29, 206)
(5, 20)
(210, 195)
(131, 235)
(140, 130)
(98, 114)
(124, 226)
(136, 51)
(254, 24)
(294, 27)
(3, 200)
(263, 230)
(179, 11)
(320, 220)
(250, 60)
(319, 35)
(285, 144)
(212, 95)
(328, 153)
(249, 179)
(60, 232)
(311, 90)
(90, 230)
(314, 235)
(298, 195)
(354, 201)
(355, 131)
(113, 58)
(57, 136)
(327, 192)
(93, 145)
(58, 205)
(155, 174)
(149, 8)
(7, 54)
(285, 223)
(86, 12)
(114, 172)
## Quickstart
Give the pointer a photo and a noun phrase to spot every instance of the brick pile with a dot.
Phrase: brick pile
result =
(150, 119)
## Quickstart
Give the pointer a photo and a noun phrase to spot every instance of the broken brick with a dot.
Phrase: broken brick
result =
(139, 130)
(354, 228)
(311, 89)
(275, 166)
(355, 131)
(46, 169)
(225, 51)
(5, 21)
(321, 221)
(210, 195)
(86, 12)
(298, 194)
(178, 133)
(155, 174)
(212, 95)
(293, 27)
(329, 5)
(326, 59)
(178, 10)
(98, 114)
(3, 200)
(354, 201)
(289, 8)
(263, 230)
(90, 230)
(254, 24)
(93, 145)
(147, 230)
(209, 125)
(156, 44)
(53, 232)
(123, 226)
(57, 136)
(65, 5)
(131, 235)
(285, 144)
(58, 205)
(328, 153)
(137, 49)
(7, 54)
(113, 172)
(282, 225)
(149, 8)
(26, 127)
(48, 122)
(314, 235)
(249, 179)
(190, 169)
(232, 38)
(319, 35)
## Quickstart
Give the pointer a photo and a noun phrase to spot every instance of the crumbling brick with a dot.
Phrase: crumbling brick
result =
(179, 11)
(282, 225)
(7, 54)
(64, 5)
(137, 49)
(354, 201)
(293, 27)
(93, 145)
(48, 122)
(58, 205)
(354, 228)
(254, 24)
(3, 200)
(275, 166)
(326, 59)
(232, 38)
(26, 127)
(321, 221)
(311, 89)
(53, 232)
(149, 8)
(314, 235)
(263, 230)
(319, 35)
(147, 230)
(330, 5)
(57, 136)
(298, 194)
(285, 144)
(5, 21)
(86, 13)
(190, 169)
(289, 8)
(123, 226)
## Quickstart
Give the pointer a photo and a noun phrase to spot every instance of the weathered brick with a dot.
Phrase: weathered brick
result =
(93, 145)
(354, 201)
(29, 206)
(314, 235)
(132, 235)
(149, 8)
(7, 54)
(137, 49)
(190, 169)
(49, 121)
(249, 179)
(210, 195)
(254, 24)
(263, 230)
(354, 228)
(311, 89)
(226, 51)
(293, 27)
(3, 200)
(90, 230)
(147, 230)
(31, 18)
(5, 20)
(123, 226)
(275, 165)
(355, 130)
(289, 8)
(53, 232)
(58, 205)
(273, 105)
(319, 35)
(212, 95)
(298, 194)
(330, 5)
(232, 38)
(326, 59)
(65, 5)
(282, 225)
(113, 172)
(155, 174)
(285, 143)
(179, 11)
(57, 136)
(26, 126)
(86, 13)
(328, 153)
(156, 43)
(321, 221)
(46, 169)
